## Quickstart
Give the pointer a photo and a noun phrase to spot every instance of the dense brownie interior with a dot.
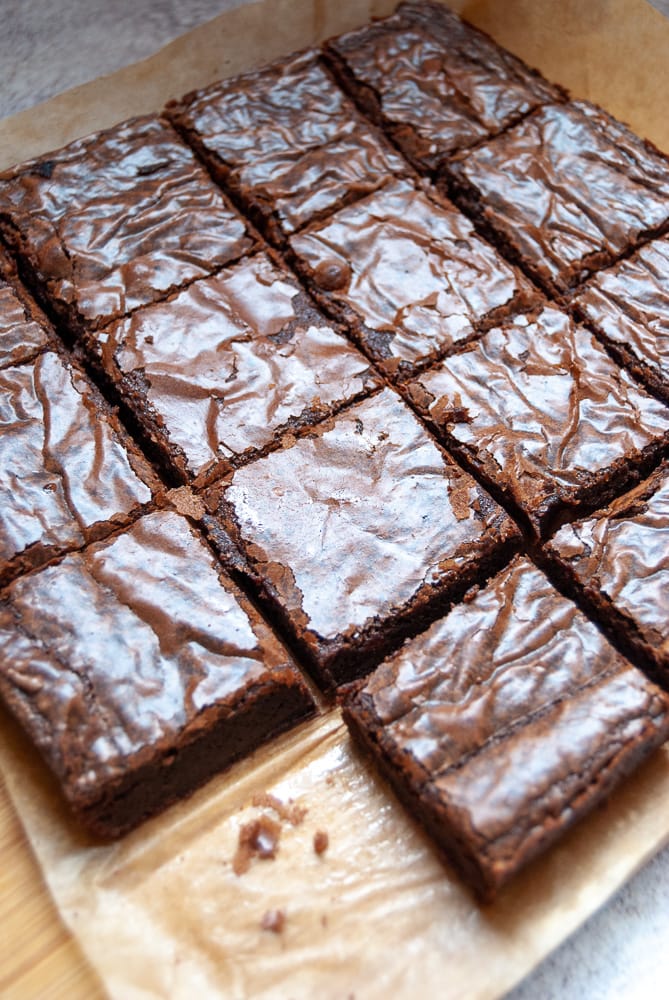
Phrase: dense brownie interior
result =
(366, 422)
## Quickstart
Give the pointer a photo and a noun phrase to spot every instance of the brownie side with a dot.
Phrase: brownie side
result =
(565, 192)
(219, 373)
(360, 533)
(628, 308)
(405, 271)
(287, 142)
(433, 82)
(618, 560)
(505, 723)
(70, 473)
(544, 416)
(139, 670)
(24, 329)
(116, 220)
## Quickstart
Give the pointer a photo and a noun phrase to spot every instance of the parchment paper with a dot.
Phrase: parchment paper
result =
(162, 913)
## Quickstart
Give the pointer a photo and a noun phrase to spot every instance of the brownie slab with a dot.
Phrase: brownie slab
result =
(435, 83)
(286, 141)
(24, 330)
(139, 670)
(69, 473)
(545, 416)
(628, 306)
(619, 559)
(505, 722)
(117, 220)
(362, 530)
(408, 274)
(565, 192)
(222, 370)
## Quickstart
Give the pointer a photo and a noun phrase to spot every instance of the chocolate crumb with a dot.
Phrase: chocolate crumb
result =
(274, 921)
(290, 813)
(332, 275)
(321, 842)
(260, 839)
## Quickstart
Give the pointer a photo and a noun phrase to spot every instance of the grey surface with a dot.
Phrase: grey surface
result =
(45, 48)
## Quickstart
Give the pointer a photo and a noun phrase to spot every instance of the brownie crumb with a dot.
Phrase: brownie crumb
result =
(321, 842)
(290, 813)
(260, 839)
(274, 921)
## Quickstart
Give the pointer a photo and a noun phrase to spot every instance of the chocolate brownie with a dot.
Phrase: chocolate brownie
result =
(70, 473)
(505, 723)
(628, 307)
(286, 141)
(360, 531)
(565, 192)
(545, 416)
(618, 559)
(222, 370)
(139, 670)
(408, 274)
(24, 330)
(435, 83)
(116, 220)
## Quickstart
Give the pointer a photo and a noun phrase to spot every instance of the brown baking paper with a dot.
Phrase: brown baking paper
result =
(162, 913)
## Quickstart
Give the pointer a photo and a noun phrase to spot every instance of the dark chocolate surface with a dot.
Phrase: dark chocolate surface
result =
(360, 527)
(629, 305)
(567, 190)
(287, 140)
(117, 219)
(408, 273)
(544, 414)
(24, 331)
(434, 81)
(506, 721)
(68, 472)
(620, 556)
(131, 653)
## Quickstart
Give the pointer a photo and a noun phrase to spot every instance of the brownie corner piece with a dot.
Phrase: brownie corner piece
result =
(504, 723)
(358, 534)
(116, 220)
(434, 82)
(139, 670)
(618, 558)
(564, 192)
(545, 416)
(71, 473)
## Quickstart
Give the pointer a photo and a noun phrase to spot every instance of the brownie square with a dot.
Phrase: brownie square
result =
(24, 330)
(361, 531)
(628, 307)
(435, 83)
(286, 141)
(69, 473)
(565, 192)
(505, 723)
(221, 371)
(118, 219)
(139, 670)
(545, 416)
(618, 559)
(408, 274)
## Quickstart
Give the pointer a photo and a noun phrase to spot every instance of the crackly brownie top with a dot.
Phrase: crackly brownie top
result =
(22, 331)
(623, 552)
(114, 220)
(630, 304)
(232, 360)
(442, 83)
(569, 182)
(506, 710)
(65, 467)
(115, 651)
(291, 137)
(409, 271)
(542, 407)
(352, 521)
